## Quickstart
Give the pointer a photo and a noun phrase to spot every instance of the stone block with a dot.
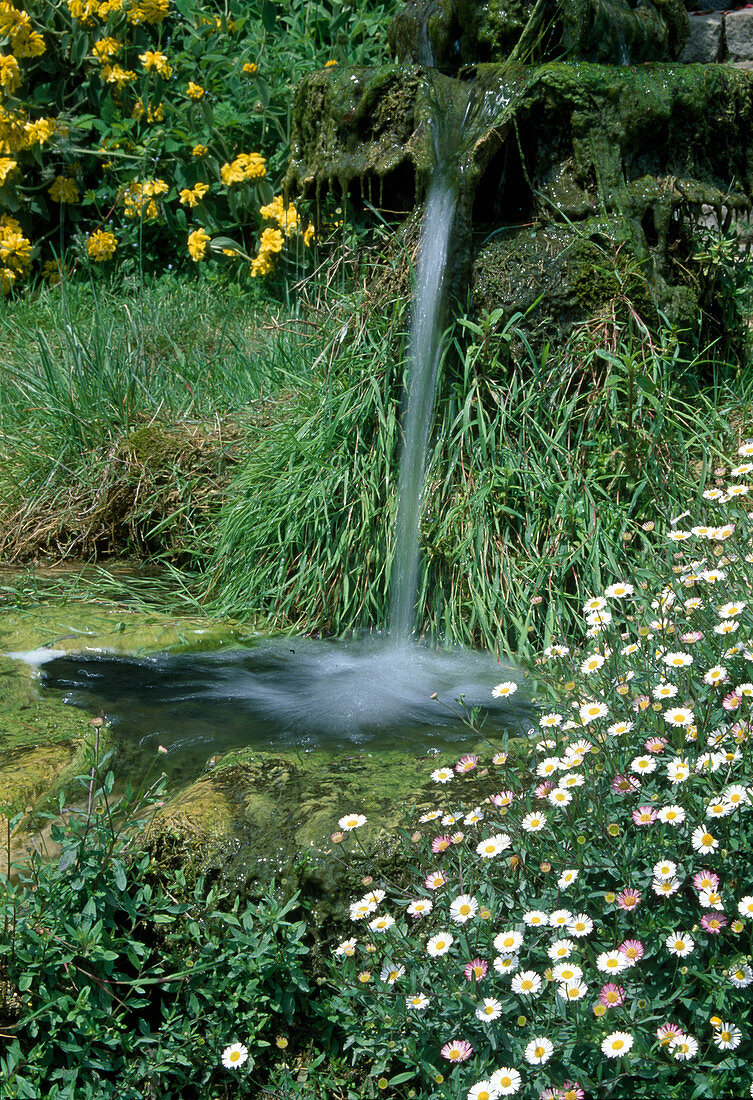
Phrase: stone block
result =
(738, 27)
(704, 43)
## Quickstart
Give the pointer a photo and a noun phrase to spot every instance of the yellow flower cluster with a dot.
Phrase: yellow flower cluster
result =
(15, 25)
(246, 166)
(199, 150)
(17, 132)
(7, 165)
(271, 243)
(289, 221)
(193, 196)
(148, 11)
(10, 72)
(138, 198)
(63, 190)
(250, 68)
(156, 62)
(101, 245)
(106, 48)
(194, 91)
(15, 253)
(197, 244)
(116, 74)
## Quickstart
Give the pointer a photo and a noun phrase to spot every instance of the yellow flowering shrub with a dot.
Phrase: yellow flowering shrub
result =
(168, 107)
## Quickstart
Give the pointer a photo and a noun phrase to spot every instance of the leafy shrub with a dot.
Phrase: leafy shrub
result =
(581, 918)
(112, 987)
(127, 127)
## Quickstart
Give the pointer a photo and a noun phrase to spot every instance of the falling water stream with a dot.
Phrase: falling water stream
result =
(381, 690)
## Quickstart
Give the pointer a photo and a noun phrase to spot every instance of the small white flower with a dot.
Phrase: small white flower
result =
(489, 1009)
(493, 845)
(234, 1056)
(526, 982)
(617, 1044)
(439, 944)
(463, 908)
(351, 821)
(538, 1051)
(680, 943)
(507, 943)
(501, 691)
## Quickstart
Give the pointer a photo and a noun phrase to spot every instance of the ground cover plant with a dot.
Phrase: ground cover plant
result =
(580, 918)
(116, 982)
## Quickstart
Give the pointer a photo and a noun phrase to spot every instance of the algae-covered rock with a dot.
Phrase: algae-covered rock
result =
(256, 816)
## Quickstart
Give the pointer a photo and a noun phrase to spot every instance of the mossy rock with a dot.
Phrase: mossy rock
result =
(258, 816)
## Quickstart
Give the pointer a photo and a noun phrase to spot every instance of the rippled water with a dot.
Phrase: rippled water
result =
(287, 692)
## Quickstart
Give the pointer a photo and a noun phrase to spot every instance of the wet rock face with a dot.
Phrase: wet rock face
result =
(451, 33)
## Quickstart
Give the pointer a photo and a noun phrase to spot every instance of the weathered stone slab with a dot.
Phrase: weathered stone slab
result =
(704, 43)
(738, 27)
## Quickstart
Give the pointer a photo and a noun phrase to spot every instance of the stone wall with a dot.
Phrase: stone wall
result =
(717, 35)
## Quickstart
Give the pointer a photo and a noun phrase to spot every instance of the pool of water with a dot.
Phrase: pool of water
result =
(288, 693)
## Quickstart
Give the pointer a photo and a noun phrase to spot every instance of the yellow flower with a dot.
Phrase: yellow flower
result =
(101, 245)
(246, 166)
(154, 61)
(148, 11)
(138, 198)
(199, 151)
(197, 244)
(63, 190)
(330, 64)
(250, 68)
(308, 235)
(110, 7)
(83, 10)
(194, 91)
(10, 74)
(116, 74)
(192, 197)
(15, 253)
(106, 48)
(262, 265)
(7, 165)
(39, 131)
(272, 240)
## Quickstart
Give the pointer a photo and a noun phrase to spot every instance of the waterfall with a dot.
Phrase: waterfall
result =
(425, 351)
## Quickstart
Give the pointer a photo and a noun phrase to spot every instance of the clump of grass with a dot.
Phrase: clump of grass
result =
(539, 477)
(580, 916)
(123, 414)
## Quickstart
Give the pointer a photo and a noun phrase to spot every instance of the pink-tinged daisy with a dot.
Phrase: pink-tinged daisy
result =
(571, 1090)
(655, 744)
(541, 790)
(457, 1051)
(475, 970)
(435, 880)
(705, 880)
(466, 764)
(632, 950)
(625, 784)
(629, 899)
(617, 1044)
(644, 815)
(731, 702)
(504, 798)
(611, 995)
(713, 922)
(441, 844)
(665, 1033)
(499, 758)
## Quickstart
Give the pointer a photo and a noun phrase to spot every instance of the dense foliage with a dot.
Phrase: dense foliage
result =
(139, 130)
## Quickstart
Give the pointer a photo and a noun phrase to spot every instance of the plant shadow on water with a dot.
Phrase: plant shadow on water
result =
(285, 693)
